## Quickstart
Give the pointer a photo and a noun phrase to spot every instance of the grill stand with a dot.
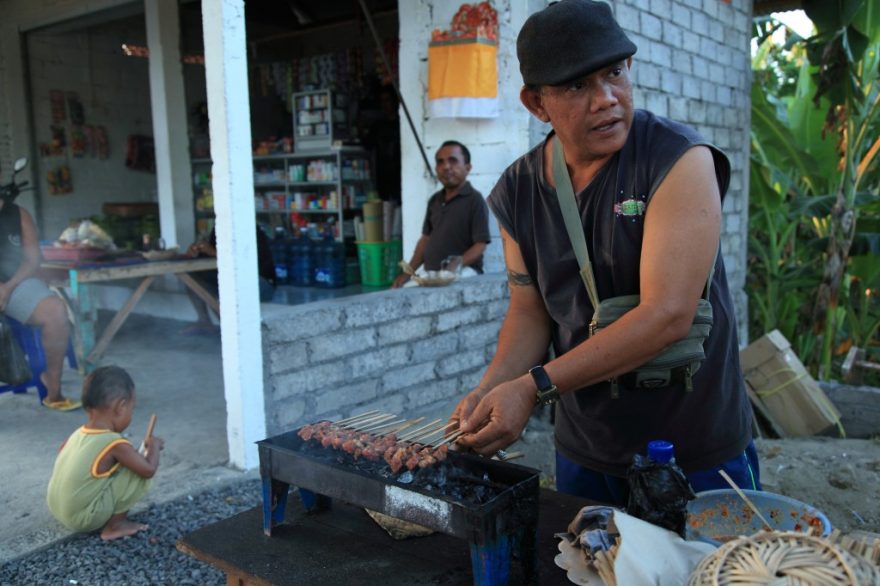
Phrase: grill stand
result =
(493, 538)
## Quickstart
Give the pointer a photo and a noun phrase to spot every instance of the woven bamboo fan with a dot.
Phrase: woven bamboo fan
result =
(789, 559)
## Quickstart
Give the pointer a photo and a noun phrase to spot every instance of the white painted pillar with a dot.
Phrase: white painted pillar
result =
(230, 127)
(168, 100)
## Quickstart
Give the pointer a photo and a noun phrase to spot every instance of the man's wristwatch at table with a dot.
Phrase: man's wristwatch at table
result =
(547, 392)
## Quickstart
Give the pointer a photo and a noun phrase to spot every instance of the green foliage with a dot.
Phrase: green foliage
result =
(814, 183)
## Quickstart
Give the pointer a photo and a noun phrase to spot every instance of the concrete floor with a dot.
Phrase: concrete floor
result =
(177, 378)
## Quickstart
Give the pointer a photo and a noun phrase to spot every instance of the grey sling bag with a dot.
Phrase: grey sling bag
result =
(678, 361)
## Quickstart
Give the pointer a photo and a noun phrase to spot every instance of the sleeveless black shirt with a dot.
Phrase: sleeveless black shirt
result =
(11, 254)
(709, 425)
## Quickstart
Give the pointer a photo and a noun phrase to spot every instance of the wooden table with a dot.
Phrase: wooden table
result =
(345, 546)
(83, 308)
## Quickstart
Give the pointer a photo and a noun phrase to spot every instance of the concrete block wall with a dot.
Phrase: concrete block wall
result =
(413, 351)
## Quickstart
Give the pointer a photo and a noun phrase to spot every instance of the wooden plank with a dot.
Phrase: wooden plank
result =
(202, 293)
(118, 320)
(146, 269)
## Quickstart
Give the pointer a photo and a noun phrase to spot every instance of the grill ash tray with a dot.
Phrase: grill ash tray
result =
(492, 504)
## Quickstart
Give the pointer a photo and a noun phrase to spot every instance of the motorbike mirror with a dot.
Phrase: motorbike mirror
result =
(20, 164)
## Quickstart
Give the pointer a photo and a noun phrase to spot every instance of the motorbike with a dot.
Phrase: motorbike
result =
(11, 190)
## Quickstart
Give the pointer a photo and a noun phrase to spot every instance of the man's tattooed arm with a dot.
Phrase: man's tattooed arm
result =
(515, 279)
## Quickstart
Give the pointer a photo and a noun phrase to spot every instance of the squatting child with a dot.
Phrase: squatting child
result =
(98, 474)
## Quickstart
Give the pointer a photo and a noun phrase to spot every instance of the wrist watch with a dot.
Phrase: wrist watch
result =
(547, 392)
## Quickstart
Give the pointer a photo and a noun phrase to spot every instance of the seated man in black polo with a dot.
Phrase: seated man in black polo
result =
(457, 219)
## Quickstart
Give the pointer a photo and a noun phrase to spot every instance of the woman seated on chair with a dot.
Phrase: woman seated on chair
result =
(27, 299)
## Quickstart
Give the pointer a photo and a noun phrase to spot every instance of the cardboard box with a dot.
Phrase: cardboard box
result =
(790, 395)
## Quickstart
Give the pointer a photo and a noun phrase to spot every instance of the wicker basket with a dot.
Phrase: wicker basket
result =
(788, 558)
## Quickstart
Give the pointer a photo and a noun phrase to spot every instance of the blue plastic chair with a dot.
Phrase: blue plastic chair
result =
(29, 338)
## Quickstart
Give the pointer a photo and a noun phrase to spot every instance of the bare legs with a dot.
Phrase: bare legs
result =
(51, 317)
(120, 526)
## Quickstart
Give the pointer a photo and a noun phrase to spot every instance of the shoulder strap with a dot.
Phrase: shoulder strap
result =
(575, 229)
(573, 225)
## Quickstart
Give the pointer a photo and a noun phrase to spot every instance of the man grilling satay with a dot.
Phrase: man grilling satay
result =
(648, 192)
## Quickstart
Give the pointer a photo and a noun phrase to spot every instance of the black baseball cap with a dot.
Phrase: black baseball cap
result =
(570, 39)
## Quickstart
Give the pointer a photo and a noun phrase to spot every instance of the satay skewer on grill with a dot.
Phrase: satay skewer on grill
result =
(380, 423)
(367, 420)
(397, 452)
(419, 431)
(440, 430)
(356, 417)
(451, 438)
(423, 438)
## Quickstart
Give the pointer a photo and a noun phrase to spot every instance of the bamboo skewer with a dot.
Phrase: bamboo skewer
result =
(373, 427)
(378, 423)
(426, 434)
(355, 417)
(408, 424)
(450, 438)
(743, 496)
(366, 420)
(439, 431)
(147, 436)
(418, 431)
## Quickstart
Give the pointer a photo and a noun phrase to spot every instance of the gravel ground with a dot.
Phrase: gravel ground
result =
(150, 557)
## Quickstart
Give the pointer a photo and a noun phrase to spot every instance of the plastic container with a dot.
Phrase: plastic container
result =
(301, 263)
(378, 262)
(329, 264)
(279, 248)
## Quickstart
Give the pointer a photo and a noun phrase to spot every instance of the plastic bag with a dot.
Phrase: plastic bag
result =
(14, 368)
(658, 493)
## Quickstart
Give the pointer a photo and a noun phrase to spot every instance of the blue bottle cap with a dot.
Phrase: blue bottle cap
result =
(660, 451)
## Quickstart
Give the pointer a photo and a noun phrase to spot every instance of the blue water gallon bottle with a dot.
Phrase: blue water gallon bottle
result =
(279, 257)
(329, 267)
(301, 262)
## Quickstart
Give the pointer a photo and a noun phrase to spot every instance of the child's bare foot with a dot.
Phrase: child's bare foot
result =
(118, 527)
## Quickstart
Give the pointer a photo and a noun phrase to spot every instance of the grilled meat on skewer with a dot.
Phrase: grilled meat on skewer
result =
(373, 447)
